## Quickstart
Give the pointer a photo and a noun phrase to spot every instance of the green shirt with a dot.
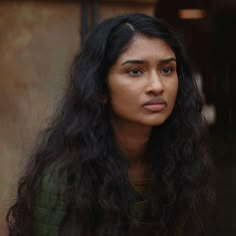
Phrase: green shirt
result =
(50, 209)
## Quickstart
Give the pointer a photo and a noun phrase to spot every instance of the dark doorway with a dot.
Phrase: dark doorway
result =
(211, 42)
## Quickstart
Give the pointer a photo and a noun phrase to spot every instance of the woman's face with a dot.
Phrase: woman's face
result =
(143, 82)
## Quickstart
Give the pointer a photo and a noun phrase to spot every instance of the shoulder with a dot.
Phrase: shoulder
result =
(52, 189)
(50, 207)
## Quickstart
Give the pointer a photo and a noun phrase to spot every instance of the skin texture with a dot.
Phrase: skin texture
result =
(132, 84)
(145, 72)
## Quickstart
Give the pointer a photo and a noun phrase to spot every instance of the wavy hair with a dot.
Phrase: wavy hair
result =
(80, 142)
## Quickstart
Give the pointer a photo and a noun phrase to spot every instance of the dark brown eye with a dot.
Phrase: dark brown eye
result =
(135, 72)
(166, 70)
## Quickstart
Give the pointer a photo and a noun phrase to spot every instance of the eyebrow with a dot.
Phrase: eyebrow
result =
(133, 62)
(167, 60)
(163, 61)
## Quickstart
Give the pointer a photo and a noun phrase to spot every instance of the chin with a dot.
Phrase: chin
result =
(156, 121)
(153, 123)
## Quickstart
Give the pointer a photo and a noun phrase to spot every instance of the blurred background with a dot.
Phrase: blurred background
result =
(38, 41)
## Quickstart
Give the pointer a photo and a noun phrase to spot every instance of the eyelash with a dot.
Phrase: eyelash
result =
(170, 70)
(130, 72)
(162, 71)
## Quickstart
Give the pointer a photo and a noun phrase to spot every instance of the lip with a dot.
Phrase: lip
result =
(155, 105)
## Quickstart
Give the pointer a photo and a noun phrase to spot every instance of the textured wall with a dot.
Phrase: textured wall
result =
(109, 8)
(37, 43)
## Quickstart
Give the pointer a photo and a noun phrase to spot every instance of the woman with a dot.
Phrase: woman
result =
(125, 154)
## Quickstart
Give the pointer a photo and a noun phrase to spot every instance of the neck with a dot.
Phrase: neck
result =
(133, 141)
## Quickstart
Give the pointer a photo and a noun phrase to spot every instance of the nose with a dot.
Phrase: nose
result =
(154, 84)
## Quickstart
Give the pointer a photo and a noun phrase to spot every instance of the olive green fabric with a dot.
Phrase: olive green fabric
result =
(138, 211)
(50, 208)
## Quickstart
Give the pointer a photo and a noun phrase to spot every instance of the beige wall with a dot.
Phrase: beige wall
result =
(36, 48)
(37, 44)
(111, 8)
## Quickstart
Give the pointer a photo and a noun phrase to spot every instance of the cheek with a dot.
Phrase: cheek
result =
(122, 98)
(176, 88)
(173, 90)
(121, 91)
(117, 96)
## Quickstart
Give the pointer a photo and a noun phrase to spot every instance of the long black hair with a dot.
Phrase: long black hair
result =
(80, 144)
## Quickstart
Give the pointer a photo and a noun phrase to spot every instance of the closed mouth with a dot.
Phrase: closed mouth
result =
(155, 105)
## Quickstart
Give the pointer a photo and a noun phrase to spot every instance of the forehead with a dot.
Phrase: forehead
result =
(143, 47)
